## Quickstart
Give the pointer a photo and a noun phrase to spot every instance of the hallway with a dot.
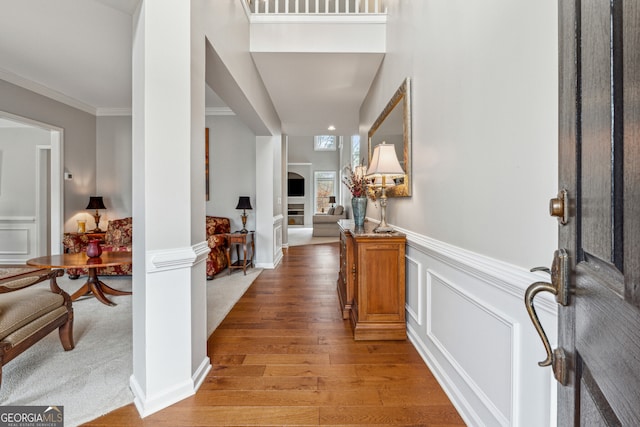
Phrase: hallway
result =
(284, 356)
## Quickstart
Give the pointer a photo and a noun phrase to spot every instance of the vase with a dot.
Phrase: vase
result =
(359, 205)
(93, 249)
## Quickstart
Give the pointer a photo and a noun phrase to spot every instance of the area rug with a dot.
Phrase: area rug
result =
(304, 236)
(93, 378)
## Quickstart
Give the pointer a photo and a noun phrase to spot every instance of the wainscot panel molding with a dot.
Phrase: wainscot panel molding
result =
(278, 220)
(277, 243)
(467, 319)
(18, 241)
(415, 301)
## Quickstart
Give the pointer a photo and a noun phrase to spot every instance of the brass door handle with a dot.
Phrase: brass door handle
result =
(559, 287)
(529, 295)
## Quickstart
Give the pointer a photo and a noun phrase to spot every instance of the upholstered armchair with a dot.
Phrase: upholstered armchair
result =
(217, 227)
(118, 238)
(28, 314)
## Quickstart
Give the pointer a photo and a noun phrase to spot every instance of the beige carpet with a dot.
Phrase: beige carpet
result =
(299, 236)
(93, 378)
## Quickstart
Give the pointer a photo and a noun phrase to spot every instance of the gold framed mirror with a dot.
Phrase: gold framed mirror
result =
(393, 126)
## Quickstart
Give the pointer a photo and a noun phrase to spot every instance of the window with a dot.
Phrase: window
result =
(325, 186)
(356, 160)
(324, 143)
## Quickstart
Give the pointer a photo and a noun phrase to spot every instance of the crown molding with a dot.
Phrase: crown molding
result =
(219, 111)
(72, 102)
(45, 91)
(113, 111)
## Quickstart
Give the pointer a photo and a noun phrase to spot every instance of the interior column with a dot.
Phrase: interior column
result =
(169, 247)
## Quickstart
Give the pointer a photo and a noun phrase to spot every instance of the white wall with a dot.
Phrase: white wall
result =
(18, 169)
(484, 82)
(114, 167)
(232, 74)
(484, 152)
(232, 169)
(79, 138)
(21, 237)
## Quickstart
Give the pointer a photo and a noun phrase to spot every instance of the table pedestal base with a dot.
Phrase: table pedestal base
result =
(98, 288)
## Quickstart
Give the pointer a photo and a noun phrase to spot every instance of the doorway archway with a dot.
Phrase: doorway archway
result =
(48, 191)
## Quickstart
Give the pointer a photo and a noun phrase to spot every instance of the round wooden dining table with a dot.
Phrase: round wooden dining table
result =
(93, 285)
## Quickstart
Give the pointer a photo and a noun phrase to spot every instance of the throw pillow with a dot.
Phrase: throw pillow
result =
(330, 211)
(339, 209)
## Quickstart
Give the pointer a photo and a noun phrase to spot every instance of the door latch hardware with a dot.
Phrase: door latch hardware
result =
(559, 207)
(560, 368)
(559, 287)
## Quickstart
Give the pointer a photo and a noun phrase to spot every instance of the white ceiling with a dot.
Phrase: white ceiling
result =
(79, 52)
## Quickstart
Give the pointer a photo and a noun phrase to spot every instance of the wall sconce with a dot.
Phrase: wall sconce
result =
(244, 203)
(384, 165)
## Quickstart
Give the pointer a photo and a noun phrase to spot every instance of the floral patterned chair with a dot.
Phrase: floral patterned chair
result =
(118, 238)
(217, 227)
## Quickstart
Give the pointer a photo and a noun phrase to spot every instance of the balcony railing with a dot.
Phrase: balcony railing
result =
(316, 7)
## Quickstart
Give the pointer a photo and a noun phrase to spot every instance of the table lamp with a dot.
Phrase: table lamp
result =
(384, 165)
(95, 202)
(332, 200)
(244, 203)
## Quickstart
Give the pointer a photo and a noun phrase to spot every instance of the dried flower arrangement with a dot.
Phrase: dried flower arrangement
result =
(357, 183)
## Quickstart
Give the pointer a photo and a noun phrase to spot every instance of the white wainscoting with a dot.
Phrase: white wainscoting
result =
(18, 239)
(277, 239)
(467, 319)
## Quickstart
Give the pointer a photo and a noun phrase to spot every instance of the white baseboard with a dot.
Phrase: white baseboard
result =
(150, 405)
(201, 373)
(147, 406)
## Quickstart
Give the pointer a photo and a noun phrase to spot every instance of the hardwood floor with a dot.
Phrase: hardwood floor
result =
(284, 356)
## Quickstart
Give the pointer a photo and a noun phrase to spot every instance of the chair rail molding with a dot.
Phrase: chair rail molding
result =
(176, 258)
(467, 319)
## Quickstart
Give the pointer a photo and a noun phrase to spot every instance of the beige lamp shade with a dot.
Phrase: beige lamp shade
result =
(384, 162)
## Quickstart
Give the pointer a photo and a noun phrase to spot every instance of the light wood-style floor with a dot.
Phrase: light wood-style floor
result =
(284, 356)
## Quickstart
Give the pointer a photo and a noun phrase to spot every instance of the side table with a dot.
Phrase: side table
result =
(246, 240)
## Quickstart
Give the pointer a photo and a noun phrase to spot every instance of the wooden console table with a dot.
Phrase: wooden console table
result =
(246, 240)
(371, 282)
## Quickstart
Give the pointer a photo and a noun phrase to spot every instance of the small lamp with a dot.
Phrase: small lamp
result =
(95, 202)
(244, 203)
(384, 164)
(332, 200)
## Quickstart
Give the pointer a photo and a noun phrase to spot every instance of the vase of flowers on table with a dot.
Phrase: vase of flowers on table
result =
(358, 185)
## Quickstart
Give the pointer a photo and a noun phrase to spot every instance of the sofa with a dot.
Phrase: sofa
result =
(326, 225)
(217, 229)
(118, 238)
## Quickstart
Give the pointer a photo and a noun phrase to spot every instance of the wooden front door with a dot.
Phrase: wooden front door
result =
(599, 149)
